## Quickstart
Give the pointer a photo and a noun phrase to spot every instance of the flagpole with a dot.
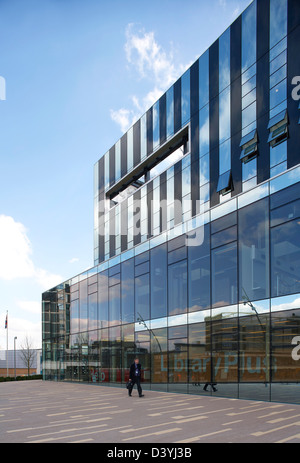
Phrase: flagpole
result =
(7, 343)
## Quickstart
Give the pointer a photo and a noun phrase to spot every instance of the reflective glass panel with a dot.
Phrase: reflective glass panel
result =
(185, 98)
(93, 311)
(115, 353)
(83, 298)
(142, 297)
(199, 342)
(224, 275)
(285, 258)
(285, 213)
(248, 86)
(279, 169)
(199, 274)
(103, 298)
(159, 355)
(224, 237)
(254, 341)
(204, 79)
(224, 332)
(279, 48)
(128, 350)
(254, 251)
(278, 62)
(74, 316)
(224, 60)
(278, 94)
(278, 154)
(224, 115)
(225, 156)
(285, 350)
(249, 169)
(127, 291)
(249, 116)
(204, 170)
(114, 305)
(158, 265)
(249, 36)
(278, 21)
(278, 76)
(178, 360)
(249, 98)
(177, 287)
(204, 130)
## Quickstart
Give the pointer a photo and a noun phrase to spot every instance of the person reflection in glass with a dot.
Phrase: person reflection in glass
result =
(135, 378)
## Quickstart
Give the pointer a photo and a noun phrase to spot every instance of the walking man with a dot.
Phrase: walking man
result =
(135, 378)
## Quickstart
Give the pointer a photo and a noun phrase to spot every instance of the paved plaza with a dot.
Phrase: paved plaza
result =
(46, 412)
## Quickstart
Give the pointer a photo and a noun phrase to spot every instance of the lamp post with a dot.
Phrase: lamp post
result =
(141, 321)
(6, 327)
(15, 338)
(264, 331)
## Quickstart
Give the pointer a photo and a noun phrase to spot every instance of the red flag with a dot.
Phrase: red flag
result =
(6, 322)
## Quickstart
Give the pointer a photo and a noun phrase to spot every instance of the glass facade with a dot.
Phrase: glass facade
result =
(197, 233)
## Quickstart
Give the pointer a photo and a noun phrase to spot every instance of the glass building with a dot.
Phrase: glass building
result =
(197, 231)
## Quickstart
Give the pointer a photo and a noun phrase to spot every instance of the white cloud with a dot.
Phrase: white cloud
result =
(15, 250)
(236, 12)
(123, 117)
(15, 255)
(47, 279)
(73, 260)
(22, 325)
(21, 328)
(150, 62)
(148, 57)
(33, 307)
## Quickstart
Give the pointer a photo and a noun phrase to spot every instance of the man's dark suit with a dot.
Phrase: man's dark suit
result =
(135, 378)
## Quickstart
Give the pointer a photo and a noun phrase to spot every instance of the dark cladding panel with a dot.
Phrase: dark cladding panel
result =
(101, 240)
(112, 235)
(112, 166)
(236, 104)
(262, 89)
(124, 155)
(194, 143)
(214, 121)
(149, 207)
(137, 218)
(101, 195)
(137, 143)
(162, 119)
(124, 224)
(194, 87)
(194, 134)
(293, 152)
(177, 193)
(293, 16)
(163, 201)
(101, 175)
(177, 105)
(149, 116)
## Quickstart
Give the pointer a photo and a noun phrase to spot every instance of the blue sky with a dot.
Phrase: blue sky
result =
(77, 74)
